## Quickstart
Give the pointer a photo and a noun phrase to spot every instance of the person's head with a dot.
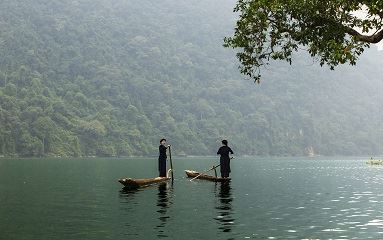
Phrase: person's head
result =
(163, 141)
(224, 142)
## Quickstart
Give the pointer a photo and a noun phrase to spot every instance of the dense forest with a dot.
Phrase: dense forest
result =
(110, 78)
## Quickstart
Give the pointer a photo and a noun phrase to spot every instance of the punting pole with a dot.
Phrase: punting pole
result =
(171, 162)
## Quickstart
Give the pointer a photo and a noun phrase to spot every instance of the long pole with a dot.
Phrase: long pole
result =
(171, 162)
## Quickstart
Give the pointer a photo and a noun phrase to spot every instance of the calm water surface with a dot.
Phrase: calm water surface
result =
(289, 198)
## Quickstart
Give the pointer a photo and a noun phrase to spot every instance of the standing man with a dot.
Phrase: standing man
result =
(224, 151)
(162, 157)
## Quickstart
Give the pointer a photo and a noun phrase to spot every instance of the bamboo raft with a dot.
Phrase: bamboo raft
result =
(136, 183)
(143, 182)
(193, 174)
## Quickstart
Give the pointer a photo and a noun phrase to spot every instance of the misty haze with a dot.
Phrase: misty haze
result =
(99, 93)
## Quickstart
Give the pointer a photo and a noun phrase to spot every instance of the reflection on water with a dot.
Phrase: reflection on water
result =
(133, 210)
(224, 207)
(288, 199)
(163, 203)
(128, 193)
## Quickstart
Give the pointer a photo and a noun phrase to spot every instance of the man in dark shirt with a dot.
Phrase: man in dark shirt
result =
(162, 157)
(224, 151)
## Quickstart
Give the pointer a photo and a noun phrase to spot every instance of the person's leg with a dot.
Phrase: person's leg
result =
(225, 168)
(162, 167)
(222, 168)
(163, 173)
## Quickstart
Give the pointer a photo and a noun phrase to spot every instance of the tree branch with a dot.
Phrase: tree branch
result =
(375, 38)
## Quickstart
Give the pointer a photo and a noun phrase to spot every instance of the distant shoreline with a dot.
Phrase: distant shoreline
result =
(319, 157)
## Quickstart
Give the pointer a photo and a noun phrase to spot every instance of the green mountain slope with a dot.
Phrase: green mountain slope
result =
(110, 78)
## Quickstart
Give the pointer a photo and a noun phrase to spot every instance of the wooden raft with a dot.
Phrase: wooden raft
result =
(142, 182)
(192, 174)
(136, 183)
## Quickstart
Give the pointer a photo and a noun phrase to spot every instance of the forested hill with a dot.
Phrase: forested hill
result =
(110, 78)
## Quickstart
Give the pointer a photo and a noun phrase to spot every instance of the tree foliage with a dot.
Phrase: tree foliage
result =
(274, 30)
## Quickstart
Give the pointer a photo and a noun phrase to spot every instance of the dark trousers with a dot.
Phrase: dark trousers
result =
(162, 167)
(225, 167)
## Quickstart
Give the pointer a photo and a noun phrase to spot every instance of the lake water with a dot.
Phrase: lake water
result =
(283, 198)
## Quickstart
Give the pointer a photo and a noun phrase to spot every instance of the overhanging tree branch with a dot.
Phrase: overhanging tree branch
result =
(375, 38)
(273, 30)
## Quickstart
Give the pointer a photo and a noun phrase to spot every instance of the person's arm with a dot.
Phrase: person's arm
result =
(219, 151)
(231, 151)
(162, 149)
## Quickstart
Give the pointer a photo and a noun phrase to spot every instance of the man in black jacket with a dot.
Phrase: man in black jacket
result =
(162, 157)
(224, 151)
